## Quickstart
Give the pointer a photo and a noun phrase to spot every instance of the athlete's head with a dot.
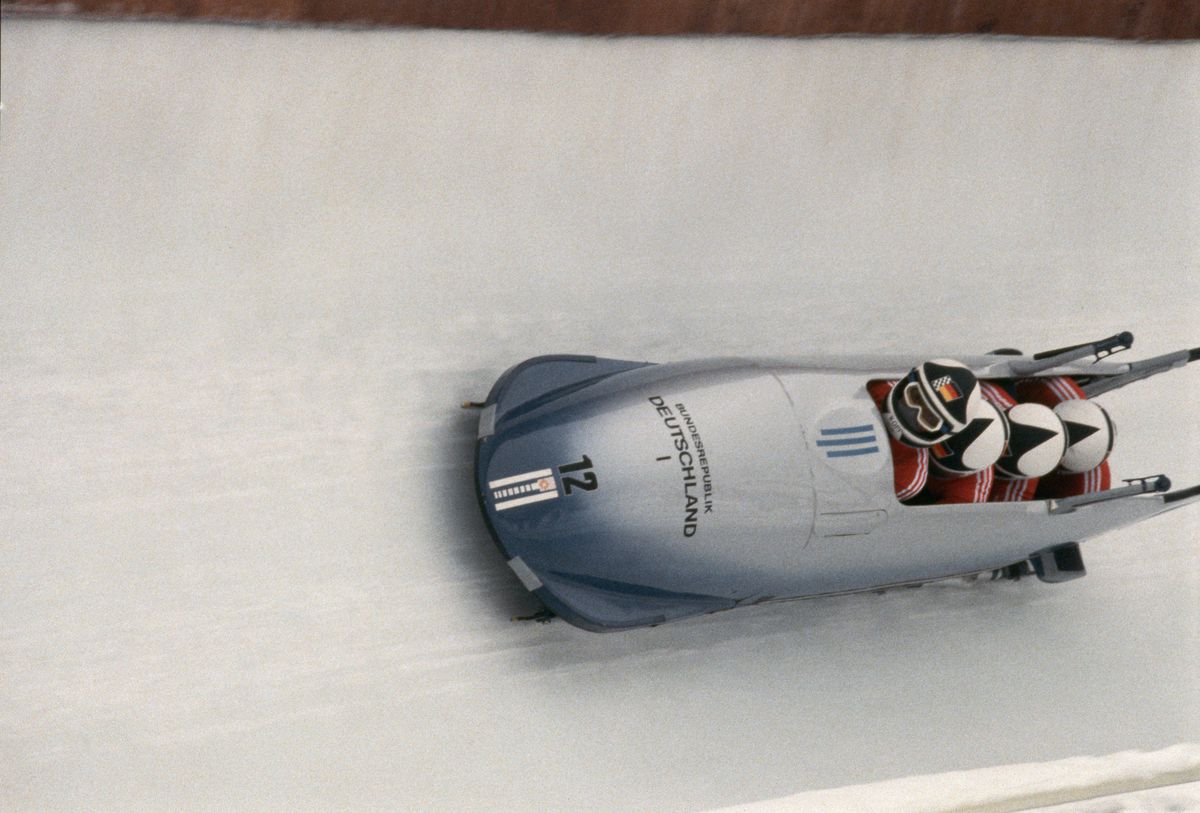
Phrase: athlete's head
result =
(976, 447)
(1090, 435)
(1036, 442)
(934, 401)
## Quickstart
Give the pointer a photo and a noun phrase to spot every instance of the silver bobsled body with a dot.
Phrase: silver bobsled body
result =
(626, 494)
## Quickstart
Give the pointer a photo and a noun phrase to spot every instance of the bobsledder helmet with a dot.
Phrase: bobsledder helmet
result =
(934, 401)
(1090, 435)
(1036, 442)
(976, 447)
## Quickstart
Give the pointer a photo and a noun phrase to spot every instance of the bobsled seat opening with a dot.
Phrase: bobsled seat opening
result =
(1053, 391)
(918, 483)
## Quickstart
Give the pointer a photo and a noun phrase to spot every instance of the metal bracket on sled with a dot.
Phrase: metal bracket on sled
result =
(1053, 358)
(1140, 370)
(1059, 564)
(1137, 485)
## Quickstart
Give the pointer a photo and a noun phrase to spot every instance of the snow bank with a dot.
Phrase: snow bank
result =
(1009, 787)
(1183, 798)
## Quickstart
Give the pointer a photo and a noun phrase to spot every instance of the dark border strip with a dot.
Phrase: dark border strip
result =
(1110, 19)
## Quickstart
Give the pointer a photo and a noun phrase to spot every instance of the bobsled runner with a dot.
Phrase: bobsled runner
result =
(626, 494)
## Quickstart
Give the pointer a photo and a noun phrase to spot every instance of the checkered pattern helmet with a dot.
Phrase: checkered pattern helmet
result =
(934, 401)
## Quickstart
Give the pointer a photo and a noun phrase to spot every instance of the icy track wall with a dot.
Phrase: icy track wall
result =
(247, 275)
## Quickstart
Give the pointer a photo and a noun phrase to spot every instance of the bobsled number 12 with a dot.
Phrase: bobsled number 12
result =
(584, 466)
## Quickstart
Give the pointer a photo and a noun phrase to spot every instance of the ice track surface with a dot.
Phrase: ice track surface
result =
(246, 276)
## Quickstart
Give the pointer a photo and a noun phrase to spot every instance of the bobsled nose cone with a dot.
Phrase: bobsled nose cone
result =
(634, 498)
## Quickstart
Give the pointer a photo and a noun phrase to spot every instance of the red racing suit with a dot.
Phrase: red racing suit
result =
(911, 465)
(1051, 392)
(977, 487)
(1004, 489)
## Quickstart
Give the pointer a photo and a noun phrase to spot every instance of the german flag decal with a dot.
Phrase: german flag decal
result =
(947, 389)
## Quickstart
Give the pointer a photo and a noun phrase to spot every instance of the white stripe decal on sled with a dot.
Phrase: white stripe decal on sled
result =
(520, 478)
(848, 441)
(548, 495)
(523, 489)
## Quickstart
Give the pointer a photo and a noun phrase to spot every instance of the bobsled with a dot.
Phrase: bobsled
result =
(627, 494)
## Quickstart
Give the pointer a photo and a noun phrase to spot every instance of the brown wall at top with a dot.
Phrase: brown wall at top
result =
(1121, 19)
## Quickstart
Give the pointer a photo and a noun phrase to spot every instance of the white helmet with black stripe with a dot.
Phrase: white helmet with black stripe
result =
(1090, 435)
(976, 447)
(1036, 442)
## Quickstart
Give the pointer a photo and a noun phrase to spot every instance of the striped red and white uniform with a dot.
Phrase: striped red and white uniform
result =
(911, 466)
(1004, 489)
(1050, 392)
(1062, 484)
(972, 488)
(975, 487)
(996, 396)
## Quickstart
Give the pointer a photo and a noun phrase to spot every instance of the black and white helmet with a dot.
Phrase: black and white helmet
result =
(976, 447)
(934, 401)
(1036, 442)
(1090, 435)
